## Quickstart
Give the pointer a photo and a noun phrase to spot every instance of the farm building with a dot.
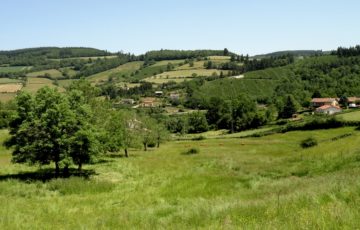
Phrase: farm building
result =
(318, 102)
(174, 96)
(159, 93)
(353, 102)
(328, 109)
(148, 102)
(128, 101)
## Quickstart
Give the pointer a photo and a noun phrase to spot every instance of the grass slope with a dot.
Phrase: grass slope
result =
(34, 84)
(180, 75)
(53, 73)
(252, 183)
(350, 116)
(13, 69)
(125, 69)
(269, 74)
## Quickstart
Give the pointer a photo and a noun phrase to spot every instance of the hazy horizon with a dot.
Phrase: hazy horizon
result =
(255, 27)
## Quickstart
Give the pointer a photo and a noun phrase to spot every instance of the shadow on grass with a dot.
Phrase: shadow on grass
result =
(47, 174)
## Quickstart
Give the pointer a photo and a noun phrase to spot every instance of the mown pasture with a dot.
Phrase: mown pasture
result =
(125, 69)
(53, 73)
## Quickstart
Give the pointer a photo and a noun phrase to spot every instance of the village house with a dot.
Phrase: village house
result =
(353, 102)
(148, 102)
(159, 93)
(328, 109)
(318, 102)
(174, 96)
(128, 101)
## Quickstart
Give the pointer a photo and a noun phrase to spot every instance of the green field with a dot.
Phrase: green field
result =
(188, 73)
(66, 82)
(125, 69)
(165, 62)
(34, 84)
(149, 71)
(9, 80)
(270, 73)
(224, 58)
(53, 73)
(251, 183)
(200, 64)
(13, 69)
(70, 71)
(350, 116)
(86, 58)
(181, 75)
(5, 97)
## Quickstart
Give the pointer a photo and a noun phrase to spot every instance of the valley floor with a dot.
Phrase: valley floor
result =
(268, 182)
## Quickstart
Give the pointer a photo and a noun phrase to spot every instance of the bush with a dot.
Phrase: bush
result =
(198, 138)
(309, 142)
(192, 151)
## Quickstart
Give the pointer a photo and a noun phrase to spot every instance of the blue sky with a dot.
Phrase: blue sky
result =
(243, 26)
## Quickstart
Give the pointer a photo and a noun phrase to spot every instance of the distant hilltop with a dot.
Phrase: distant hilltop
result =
(292, 52)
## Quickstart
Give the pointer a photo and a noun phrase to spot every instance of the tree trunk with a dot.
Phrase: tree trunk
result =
(158, 142)
(80, 167)
(145, 146)
(66, 171)
(126, 152)
(57, 169)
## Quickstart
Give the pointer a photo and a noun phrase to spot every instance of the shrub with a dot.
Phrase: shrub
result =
(198, 138)
(192, 151)
(309, 142)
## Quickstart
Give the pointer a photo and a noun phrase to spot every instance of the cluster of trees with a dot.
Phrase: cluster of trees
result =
(52, 127)
(104, 64)
(347, 52)
(254, 64)
(112, 92)
(7, 111)
(75, 127)
(237, 114)
(194, 122)
(36, 56)
(182, 54)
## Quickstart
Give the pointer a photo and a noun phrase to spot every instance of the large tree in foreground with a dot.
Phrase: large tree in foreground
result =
(48, 128)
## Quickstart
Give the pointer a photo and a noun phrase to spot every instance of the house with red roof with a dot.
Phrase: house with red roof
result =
(318, 102)
(328, 109)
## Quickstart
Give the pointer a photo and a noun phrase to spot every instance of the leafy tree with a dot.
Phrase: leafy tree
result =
(161, 134)
(197, 122)
(343, 101)
(123, 131)
(290, 107)
(47, 128)
(147, 127)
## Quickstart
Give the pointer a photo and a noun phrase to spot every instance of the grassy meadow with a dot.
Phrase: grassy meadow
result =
(351, 116)
(34, 84)
(9, 80)
(13, 69)
(232, 183)
(53, 73)
(125, 69)
(181, 75)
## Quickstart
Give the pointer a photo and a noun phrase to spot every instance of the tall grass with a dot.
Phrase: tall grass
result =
(268, 182)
